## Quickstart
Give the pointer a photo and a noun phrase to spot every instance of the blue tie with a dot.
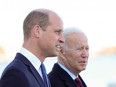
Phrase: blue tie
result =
(44, 75)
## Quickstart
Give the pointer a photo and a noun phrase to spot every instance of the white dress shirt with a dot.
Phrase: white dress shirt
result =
(32, 58)
(68, 71)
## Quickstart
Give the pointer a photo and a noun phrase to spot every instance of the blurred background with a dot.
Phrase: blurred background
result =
(97, 18)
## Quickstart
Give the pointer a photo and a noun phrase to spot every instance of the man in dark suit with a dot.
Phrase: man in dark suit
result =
(72, 59)
(42, 37)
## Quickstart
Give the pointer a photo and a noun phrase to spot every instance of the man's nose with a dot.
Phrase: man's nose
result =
(61, 39)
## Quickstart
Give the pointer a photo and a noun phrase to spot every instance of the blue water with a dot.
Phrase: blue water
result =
(100, 71)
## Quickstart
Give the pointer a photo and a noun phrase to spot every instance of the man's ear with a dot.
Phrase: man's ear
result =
(36, 30)
(61, 52)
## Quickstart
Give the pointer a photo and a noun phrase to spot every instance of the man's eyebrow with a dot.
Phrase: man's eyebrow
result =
(59, 30)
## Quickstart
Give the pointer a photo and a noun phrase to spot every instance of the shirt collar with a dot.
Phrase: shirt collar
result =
(31, 57)
(68, 71)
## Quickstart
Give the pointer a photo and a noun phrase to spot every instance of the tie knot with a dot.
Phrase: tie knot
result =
(42, 66)
(78, 82)
(77, 79)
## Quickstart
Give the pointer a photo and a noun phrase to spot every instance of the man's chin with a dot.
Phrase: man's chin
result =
(55, 54)
(83, 68)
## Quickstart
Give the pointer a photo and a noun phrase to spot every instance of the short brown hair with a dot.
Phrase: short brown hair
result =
(36, 17)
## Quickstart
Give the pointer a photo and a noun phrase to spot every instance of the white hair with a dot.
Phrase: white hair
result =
(71, 30)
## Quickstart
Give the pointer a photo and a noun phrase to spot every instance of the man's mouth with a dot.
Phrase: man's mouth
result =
(58, 47)
(83, 62)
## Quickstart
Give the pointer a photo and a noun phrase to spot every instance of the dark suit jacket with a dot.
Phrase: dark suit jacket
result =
(21, 73)
(60, 78)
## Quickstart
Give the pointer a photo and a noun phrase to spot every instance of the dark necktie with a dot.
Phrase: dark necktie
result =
(45, 78)
(78, 82)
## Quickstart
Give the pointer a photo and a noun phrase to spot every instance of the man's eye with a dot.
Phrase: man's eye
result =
(79, 48)
(82, 48)
(58, 32)
(87, 48)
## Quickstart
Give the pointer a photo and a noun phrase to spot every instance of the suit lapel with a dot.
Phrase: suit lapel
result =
(36, 75)
(64, 76)
(31, 67)
(84, 85)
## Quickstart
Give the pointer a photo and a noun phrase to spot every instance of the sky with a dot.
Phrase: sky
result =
(97, 18)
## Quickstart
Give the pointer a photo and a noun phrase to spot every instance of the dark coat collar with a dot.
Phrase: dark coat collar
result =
(30, 66)
(65, 76)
